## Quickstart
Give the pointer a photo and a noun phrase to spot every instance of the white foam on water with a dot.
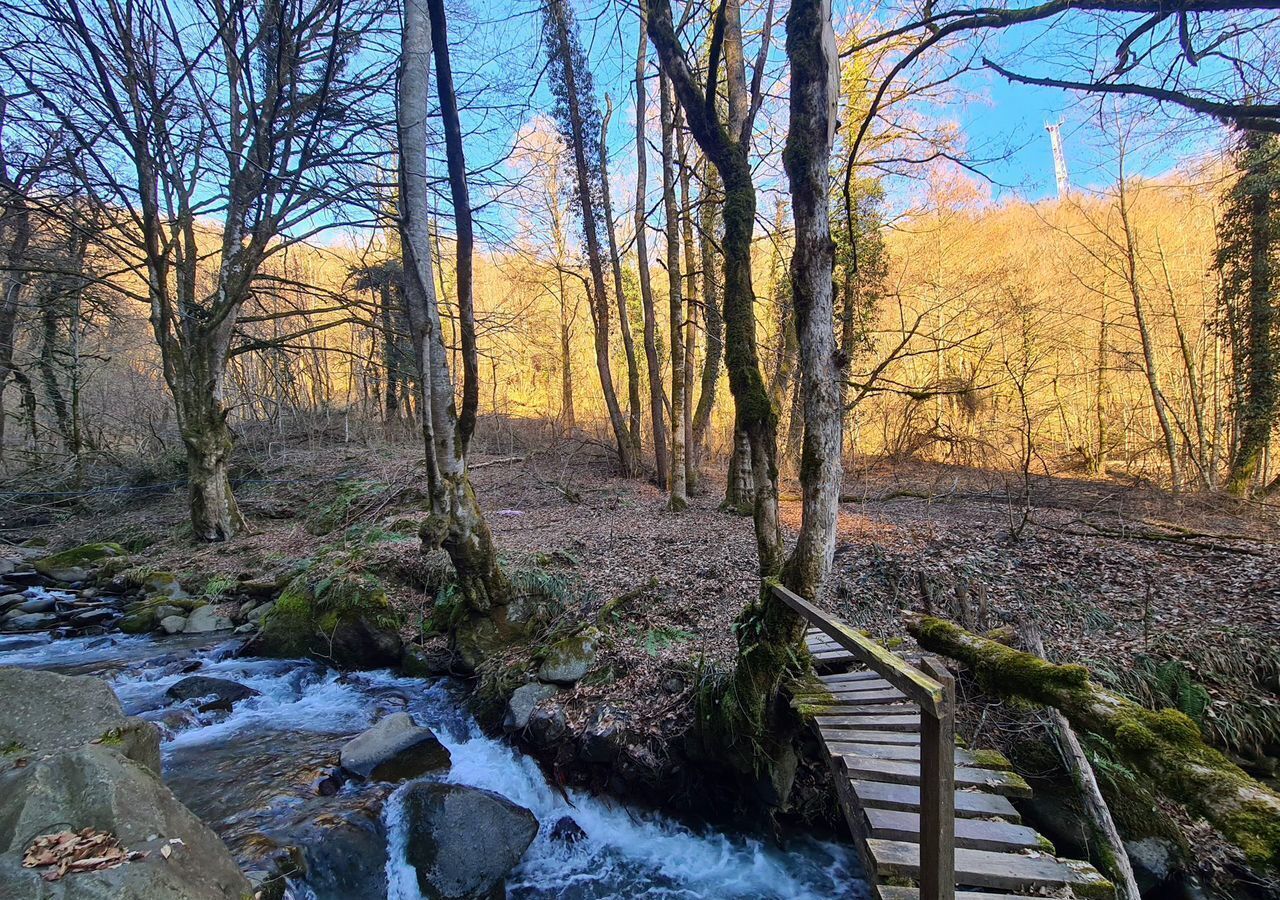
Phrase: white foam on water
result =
(626, 852)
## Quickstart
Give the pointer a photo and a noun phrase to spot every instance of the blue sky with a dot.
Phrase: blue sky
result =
(501, 42)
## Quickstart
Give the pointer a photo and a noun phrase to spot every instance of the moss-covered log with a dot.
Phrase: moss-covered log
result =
(1165, 745)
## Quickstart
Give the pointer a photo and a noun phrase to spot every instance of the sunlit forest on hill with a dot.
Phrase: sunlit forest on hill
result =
(681, 449)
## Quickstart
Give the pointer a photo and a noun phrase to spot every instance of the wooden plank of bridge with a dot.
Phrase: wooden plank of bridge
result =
(907, 797)
(988, 869)
(920, 808)
(974, 834)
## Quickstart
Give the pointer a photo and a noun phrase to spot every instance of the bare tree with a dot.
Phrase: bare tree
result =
(679, 498)
(236, 111)
(578, 119)
(657, 396)
(619, 295)
(726, 143)
(456, 521)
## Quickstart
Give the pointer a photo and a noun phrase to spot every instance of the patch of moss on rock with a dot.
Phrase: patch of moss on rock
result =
(342, 618)
(73, 564)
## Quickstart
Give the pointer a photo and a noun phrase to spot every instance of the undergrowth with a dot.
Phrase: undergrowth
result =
(1228, 683)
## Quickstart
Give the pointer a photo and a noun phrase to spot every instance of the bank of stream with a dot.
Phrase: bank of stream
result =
(258, 774)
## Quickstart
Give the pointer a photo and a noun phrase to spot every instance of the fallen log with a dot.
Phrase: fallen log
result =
(1165, 745)
(1086, 782)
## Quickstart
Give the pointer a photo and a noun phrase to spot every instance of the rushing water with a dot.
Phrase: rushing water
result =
(248, 771)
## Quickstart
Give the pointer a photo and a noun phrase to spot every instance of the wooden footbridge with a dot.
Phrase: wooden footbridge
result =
(931, 821)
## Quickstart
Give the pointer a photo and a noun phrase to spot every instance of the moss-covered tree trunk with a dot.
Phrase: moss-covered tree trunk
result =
(751, 722)
(208, 440)
(1248, 236)
(1166, 745)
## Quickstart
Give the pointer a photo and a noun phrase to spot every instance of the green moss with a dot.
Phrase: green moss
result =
(1164, 746)
(991, 759)
(140, 622)
(11, 748)
(80, 557)
(112, 738)
(289, 628)
(1005, 670)
(1256, 828)
(327, 515)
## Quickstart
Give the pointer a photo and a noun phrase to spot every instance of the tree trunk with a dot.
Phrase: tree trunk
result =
(624, 318)
(1150, 366)
(727, 148)
(679, 498)
(456, 522)
(209, 441)
(464, 232)
(815, 88)
(740, 494)
(1086, 782)
(710, 377)
(690, 293)
(578, 140)
(1165, 745)
(1256, 406)
(657, 399)
(16, 218)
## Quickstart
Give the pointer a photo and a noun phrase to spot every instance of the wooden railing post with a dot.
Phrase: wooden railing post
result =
(937, 792)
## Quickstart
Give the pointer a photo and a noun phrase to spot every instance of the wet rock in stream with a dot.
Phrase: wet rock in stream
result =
(223, 693)
(395, 749)
(462, 841)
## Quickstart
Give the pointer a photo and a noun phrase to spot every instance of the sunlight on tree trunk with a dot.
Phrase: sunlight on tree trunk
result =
(456, 522)
(678, 497)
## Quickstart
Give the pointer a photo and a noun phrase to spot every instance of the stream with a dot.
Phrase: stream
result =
(252, 774)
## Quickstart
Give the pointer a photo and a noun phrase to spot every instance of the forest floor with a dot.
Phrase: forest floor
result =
(1138, 584)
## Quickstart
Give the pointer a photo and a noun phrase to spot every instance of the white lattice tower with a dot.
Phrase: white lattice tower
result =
(1059, 159)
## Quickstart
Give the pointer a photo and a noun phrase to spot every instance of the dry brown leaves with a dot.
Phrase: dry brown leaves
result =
(86, 850)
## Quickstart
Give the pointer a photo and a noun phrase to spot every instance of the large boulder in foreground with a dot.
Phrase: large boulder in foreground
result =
(343, 619)
(395, 749)
(42, 712)
(96, 787)
(462, 841)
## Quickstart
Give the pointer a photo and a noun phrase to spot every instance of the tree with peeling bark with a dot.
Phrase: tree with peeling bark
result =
(237, 112)
(578, 118)
(456, 521)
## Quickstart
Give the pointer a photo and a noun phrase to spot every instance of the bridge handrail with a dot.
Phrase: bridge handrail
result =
(923, 690)
(935, 695)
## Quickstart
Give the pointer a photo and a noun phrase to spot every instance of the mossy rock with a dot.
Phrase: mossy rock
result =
(142, 621)
(163, 585)
(569, 659)
(476, 640)
(74, 564)
(345, 619)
